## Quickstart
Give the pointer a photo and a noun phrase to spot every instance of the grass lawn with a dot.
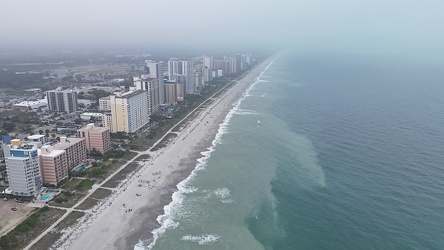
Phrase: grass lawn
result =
(84, 185)
(50, 238)
(71, 184)
(66, 199)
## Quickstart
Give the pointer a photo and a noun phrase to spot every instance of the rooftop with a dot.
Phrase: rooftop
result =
(66, 142)
(50, 151)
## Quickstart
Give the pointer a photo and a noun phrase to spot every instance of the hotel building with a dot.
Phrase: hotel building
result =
(23, 168)
(151, 88)
(155, 71)
(96, 137)
(75, 149)
(129, 111)
(54, 165)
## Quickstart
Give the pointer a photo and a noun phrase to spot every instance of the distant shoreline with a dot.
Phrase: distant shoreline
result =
(116, 228)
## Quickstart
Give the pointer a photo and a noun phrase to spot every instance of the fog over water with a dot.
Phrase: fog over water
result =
(396, 26)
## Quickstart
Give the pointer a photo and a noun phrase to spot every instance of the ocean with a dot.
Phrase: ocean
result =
(323, 152)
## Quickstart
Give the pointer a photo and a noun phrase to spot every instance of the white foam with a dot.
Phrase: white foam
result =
(222, 193)
(202, 239)
(245, 112)
(140, 245)
(166, 220)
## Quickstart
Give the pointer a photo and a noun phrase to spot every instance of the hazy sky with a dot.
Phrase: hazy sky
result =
(363, 25)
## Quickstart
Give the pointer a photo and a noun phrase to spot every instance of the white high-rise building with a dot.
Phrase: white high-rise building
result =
(182, 71)
(23, 168)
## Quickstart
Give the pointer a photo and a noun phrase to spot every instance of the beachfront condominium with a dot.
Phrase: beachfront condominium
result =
(23, 168)
(154, 70)
(53, 164)
(75, 149)
(97, 138)
(151, 88)
(129, 111)
(62, 100)
(174, 92)
(182, 71)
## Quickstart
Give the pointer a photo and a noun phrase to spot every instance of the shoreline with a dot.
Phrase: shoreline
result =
(133, 210)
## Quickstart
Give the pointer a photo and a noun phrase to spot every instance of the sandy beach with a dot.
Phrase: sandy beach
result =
(131, 212)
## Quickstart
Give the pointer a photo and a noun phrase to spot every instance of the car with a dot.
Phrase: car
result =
(5, 199)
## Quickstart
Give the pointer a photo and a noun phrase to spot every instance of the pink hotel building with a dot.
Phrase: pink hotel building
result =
(96, 137)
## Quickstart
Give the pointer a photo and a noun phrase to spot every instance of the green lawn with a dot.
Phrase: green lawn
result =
(85, 185)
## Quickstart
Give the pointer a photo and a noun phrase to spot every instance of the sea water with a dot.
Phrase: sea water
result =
(323, 152)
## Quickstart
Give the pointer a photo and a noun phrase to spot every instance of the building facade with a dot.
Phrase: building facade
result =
(155, 70)
(23, 169)
(96, 138)
(53, 164)
(129, 111)
(182, 71)
(75, 149)
(62, 101)
(105, 104)
(151, 88)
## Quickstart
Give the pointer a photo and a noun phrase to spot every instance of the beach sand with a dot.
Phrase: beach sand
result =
(132, 210)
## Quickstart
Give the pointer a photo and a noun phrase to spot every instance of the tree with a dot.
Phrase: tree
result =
(8, 126)
(46, 131)
(41, 132)
(53, 136)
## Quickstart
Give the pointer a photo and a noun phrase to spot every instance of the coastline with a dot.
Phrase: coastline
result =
(148, 193)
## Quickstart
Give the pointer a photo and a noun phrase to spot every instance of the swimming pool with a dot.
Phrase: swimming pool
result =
(80, 167)
(46, 197)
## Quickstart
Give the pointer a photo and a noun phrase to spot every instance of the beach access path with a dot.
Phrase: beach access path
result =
(131, 211)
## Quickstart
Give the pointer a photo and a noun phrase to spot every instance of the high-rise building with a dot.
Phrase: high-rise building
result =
(129, 111)
(182, 71)
(208, 61)
(75, 149)
(198, 80)
(95, 138)
(105, 104)
(171, 92)
(151, 88)
(223, 65)
(107, 121)
(23, 168)
(155, 70)
(206, 72)
(53, 164)
(62, 100)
